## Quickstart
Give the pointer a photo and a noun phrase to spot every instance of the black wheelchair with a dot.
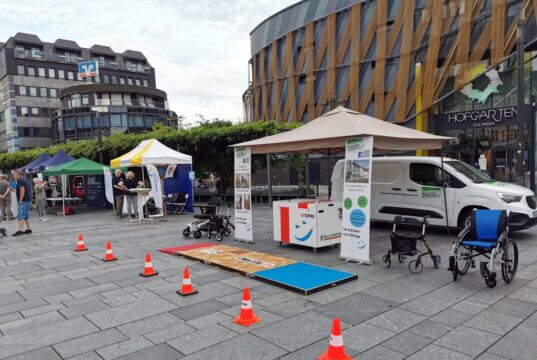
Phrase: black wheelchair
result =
(486, 234)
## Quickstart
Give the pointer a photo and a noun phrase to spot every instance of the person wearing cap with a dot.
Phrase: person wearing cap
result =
(119, 192)
(24, 200)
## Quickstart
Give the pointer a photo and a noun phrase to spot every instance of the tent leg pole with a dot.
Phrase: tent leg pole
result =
(444, 189)
(307, 160)
(269, 179)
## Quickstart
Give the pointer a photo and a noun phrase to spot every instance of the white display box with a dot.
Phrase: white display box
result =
(307, 222)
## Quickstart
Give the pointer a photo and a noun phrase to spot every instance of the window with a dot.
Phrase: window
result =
(22, 90)
(20, 69)
(42, 72)
(24, 111)
(69, 122)
(31, 71)
(61, 74)
(52, 73)
(70, 75)
(33, 91)
(83, 121)
(106, 79)
(43, 92)
(146, 84)
(130, 81)
(53, 93)
(35, 111)
(426, 174)
(114, 79)
(115, 120)
(85, 99)
(469, 172)
(122, 80)
(138, 82)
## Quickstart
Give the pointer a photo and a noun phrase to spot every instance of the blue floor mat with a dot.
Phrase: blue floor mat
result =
(304, 278)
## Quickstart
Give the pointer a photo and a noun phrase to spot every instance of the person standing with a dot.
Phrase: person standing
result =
(40, 196)
(131, 197)
(119, 192)
(24, 200)
(5, 198)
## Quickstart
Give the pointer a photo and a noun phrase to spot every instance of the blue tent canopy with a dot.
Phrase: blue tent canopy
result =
(59, 158)
(35, 164)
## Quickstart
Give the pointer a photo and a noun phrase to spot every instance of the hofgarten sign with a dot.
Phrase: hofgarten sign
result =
(476, 118)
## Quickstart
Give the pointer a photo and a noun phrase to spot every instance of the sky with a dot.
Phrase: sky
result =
(200, 49)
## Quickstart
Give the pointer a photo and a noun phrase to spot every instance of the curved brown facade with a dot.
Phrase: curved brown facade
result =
(387, 58)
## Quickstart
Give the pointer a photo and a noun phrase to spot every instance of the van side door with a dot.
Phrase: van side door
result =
(424, 193)
(387, 189)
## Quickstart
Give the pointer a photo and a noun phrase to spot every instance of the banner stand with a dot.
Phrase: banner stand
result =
(243, 195)
(355, 220)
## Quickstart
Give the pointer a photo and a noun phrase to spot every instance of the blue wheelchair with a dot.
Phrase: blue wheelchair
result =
(485, 234)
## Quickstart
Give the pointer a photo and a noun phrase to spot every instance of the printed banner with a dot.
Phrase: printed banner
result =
(243, 195)
(108, 189)
(356, 199)
(156, 188)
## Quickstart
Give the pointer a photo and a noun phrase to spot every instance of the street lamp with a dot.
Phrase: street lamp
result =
(98, 110)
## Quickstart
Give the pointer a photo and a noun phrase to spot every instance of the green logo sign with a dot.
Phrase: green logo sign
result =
(481, 95)
(347, 203)
(362, 202)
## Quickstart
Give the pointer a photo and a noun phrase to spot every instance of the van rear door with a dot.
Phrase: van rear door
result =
(387, 189)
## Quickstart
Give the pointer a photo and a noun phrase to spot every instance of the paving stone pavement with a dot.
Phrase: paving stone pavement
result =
(59, 304)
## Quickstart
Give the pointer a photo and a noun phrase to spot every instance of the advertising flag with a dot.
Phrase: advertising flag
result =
(108, 190)
(356, 199)
(243, 195)
(156, 188)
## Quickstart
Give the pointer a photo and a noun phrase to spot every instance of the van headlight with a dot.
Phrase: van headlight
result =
(509, 198)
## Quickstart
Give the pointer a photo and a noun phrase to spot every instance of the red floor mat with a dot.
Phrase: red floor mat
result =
(174, 250)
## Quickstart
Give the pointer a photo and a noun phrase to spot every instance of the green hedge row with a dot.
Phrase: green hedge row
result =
(208, 145)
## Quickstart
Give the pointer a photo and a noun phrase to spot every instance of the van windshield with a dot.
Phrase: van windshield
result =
(469, 172)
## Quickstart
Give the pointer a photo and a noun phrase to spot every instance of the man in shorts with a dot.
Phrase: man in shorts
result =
(24, 199)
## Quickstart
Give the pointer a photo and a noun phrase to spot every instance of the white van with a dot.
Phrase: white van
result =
(412, 186)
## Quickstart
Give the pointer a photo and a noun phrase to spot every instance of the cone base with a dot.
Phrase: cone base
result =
(248, 322)
(326, 356)
(187, 294)
(153, 274)
(106, 260)
(85, 249)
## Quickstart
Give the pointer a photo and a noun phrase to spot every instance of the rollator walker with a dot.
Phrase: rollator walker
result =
(487, 235)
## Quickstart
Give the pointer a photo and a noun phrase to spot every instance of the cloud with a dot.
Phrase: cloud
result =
(200, 49)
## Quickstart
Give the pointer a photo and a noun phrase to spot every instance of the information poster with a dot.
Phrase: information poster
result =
(356, 200)
(243, 195)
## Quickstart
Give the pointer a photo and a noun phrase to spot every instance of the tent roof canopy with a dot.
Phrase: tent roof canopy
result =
(151, 151)
(61, 157)
(328, 134)
(80, 166)
(35, 164)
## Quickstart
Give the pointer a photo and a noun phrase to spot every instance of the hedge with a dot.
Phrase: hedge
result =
(208, 145)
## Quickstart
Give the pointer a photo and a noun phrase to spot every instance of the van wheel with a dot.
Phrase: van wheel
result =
(465, 219)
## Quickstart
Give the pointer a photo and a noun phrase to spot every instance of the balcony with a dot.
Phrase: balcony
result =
(73, 59)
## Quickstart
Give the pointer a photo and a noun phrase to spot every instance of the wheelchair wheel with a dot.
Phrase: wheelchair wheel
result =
(387, 261)
(415, 266)
(436, 261)
(197, 234)
(186, 232)
(401, 258)
(491, 280)
(509, 261)
(462, 262)
(220, 235)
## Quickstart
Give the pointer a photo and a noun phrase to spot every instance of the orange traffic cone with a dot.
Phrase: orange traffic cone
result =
(246, 316)
(187, 288)
(109, 256)
(336, 350)
(148, 268)
(80, 245)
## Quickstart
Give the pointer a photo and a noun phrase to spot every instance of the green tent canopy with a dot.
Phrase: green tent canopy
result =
(80, 166)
